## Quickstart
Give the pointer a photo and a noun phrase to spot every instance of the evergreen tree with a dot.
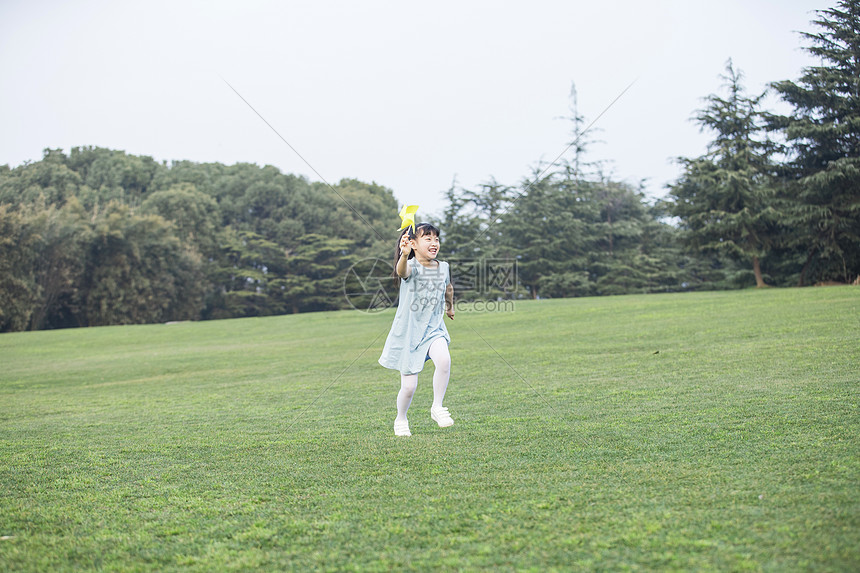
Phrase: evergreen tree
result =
(245, 277)
(576, 167)
(315, 274)
(725, 198)
(470, 224)
(552, 228)
(823, 130)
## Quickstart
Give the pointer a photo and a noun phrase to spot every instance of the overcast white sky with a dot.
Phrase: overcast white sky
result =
(406, 94)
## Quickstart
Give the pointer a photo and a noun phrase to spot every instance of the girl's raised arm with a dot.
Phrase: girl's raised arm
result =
(402, 262)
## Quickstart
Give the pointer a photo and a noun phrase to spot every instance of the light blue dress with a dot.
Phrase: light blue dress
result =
(419, 318)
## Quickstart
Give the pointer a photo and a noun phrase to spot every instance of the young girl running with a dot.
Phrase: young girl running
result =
(418, 333)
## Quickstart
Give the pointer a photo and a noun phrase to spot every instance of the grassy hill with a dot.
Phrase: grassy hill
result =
(708, 431)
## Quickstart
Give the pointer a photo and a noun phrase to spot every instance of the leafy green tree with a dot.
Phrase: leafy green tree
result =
(195, 215)
(18, 289)
(208, 178)
(823, 131)
(62, 234)
(137, 272)
(725, 199)
(47, 182)
(272, 204)
(103, 237)
(41, 258)
(363, 214)
(115, 175)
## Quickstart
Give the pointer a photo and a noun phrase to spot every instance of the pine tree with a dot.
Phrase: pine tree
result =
(823, 131)
(725, 198)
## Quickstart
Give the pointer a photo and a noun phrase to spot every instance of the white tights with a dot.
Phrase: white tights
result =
(409, 382)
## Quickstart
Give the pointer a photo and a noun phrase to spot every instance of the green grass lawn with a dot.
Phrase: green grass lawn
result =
(699, 431)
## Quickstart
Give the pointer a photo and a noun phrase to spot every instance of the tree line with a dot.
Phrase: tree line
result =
(101, 237)
(775, 200)
(98, 236)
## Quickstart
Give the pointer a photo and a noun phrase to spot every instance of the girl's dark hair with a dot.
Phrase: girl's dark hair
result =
(421, 229)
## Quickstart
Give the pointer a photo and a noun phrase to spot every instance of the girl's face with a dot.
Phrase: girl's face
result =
(426, 246)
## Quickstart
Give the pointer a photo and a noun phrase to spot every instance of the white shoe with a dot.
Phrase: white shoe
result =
(441, 416)
(401, 428)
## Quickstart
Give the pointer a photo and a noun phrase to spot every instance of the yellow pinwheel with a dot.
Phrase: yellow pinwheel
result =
(407, 217)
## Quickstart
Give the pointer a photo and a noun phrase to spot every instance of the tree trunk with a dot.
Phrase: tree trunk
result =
(759, 281)
(802, 280)
(609, 219)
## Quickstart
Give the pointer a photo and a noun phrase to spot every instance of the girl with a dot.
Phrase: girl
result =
(418, 333)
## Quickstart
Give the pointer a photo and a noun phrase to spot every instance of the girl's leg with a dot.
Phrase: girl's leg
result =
(442, 360)
(408, 384)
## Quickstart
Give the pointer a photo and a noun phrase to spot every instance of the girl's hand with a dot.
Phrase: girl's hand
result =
(405, 245)
(450, 312)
